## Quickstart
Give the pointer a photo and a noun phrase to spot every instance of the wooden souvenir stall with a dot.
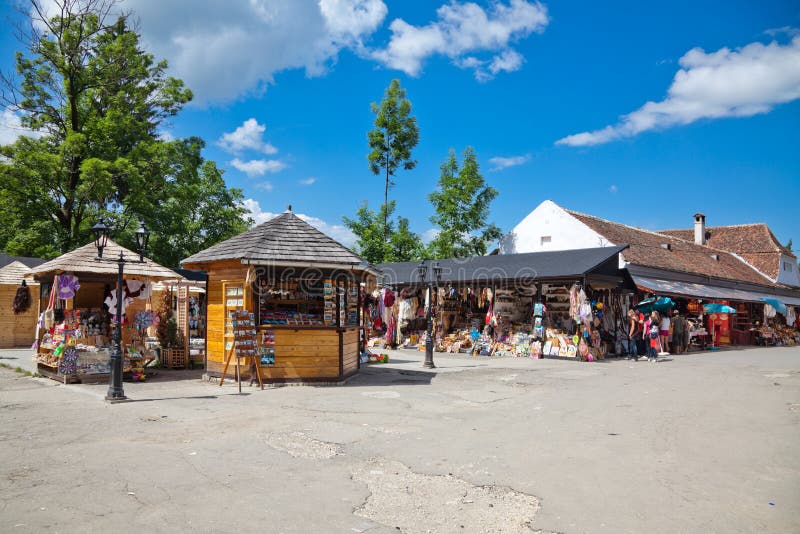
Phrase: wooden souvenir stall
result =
(302, 288)
(74, 342)
(17, 329)
(189, 308)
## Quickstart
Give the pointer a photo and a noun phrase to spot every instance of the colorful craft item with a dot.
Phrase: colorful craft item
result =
(68, 285)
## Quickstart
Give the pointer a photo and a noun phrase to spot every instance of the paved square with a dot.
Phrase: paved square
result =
(695, 443)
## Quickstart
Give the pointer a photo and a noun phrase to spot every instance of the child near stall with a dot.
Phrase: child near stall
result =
(653, 335)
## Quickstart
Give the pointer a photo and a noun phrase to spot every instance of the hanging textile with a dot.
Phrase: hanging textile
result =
(790, 315)
(382, 305)
(133, 288)
(573, 302)
(49, 313)
(390, 329)
(68, 285)
(22, 300)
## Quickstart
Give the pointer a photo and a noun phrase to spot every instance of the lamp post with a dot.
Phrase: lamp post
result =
(101, 231)
(433, 282)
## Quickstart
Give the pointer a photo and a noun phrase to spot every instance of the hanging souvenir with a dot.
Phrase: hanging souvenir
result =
(68, 285)
(49, 313)
(144, 319)
(22, 300)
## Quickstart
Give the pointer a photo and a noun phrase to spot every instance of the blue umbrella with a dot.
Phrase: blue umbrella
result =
(779, 306)
(718, 308)
(660, 305)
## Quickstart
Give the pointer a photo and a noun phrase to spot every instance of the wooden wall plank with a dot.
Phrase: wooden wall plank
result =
(17, 330)
(307, 350)
(305, 361)
(282, 373)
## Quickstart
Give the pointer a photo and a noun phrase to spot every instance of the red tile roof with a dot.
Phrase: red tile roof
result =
(754, 242)
(683, 255)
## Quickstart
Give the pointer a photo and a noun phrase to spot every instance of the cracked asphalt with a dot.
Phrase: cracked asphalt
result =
(697, 443)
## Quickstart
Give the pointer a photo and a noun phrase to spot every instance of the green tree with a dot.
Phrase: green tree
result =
(461, 206)
(392, 139)
(368, 226)
(196, 209)
(96, 100)
(405, 245)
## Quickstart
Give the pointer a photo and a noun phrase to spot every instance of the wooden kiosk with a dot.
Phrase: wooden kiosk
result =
(303, 289)
(82, 324)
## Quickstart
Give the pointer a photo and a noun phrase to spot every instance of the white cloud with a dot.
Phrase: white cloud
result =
(613, 188)
(461, 30)
(11, 128)
(165, 135)
(348, 21)
(227, 50)
(500, 163)
(266, 186)
(340, 233)
(307, 181)
(430, 235)
(255, 211)
(248, 136)
(508, 61)
(787, 30)
(725, 83)
(258, 167)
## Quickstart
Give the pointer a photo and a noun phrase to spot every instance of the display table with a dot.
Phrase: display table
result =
(87, 366)
(699, 338)
(83, 365)
(765, 336)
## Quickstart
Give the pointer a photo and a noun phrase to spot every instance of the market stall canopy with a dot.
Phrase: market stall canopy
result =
(14, 273)
(703, 291)
(779, 306)
(285, 240)
(505, 268)
(84, 260)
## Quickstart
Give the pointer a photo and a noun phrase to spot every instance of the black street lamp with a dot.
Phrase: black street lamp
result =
(433, 284)
(101, 230)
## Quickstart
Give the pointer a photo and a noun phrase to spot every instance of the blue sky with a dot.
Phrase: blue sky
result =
(557, 88)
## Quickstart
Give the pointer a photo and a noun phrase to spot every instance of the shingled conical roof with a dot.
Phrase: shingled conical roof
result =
(286, 239)
(84, 260)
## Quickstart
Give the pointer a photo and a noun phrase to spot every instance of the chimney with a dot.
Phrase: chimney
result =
(699, 229)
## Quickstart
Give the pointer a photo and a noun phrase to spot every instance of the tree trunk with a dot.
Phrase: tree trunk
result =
(386, 207)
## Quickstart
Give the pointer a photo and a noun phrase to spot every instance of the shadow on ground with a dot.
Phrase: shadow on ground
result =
(386, 376)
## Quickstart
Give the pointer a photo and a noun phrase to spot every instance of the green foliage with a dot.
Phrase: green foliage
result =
(392, 139)
(172, 333)
(368, 225)
(462, 204)
(96, 99)
(164, 315)
(405, 245)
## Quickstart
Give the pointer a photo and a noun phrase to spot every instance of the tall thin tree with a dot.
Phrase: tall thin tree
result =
(462, 206)
(392, 139)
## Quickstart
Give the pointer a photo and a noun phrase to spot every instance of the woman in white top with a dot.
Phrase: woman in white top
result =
(664, 333)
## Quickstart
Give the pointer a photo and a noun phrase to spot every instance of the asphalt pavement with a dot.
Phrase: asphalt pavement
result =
(705, 442)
